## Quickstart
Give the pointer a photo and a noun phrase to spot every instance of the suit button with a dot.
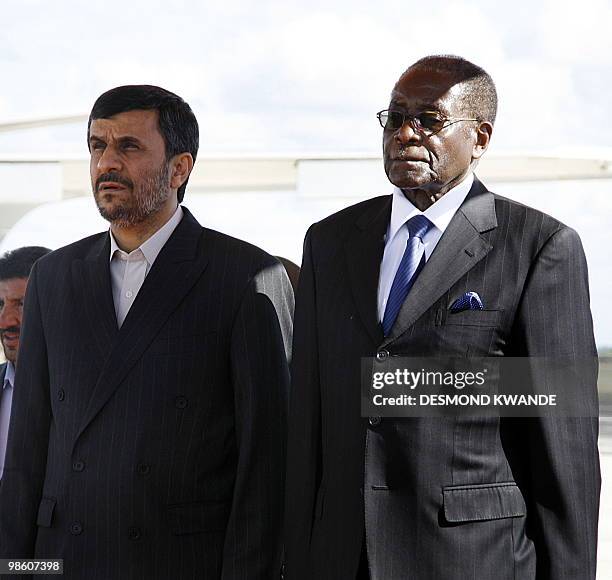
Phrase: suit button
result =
(134, 533)
(180, 402)
(61, 395)
(374, 421)
(143, 469)
(78, 466)
(76, 528)
(382, 355)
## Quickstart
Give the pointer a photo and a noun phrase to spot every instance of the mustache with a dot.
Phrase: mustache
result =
(10, 330)
(112, 177)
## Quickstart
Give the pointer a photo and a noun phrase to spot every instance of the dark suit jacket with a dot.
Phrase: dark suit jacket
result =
(440, 498)
(155, 451)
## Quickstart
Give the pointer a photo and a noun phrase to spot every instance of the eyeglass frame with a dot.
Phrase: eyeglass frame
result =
(411, 119)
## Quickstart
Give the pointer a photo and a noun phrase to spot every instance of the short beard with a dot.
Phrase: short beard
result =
(147, 199)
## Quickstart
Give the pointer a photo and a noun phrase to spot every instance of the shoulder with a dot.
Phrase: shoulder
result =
(531, 223)
(364, 210)
(532, 227)
(338, 225)
(63, 256)
(223, 249)
(245, 270)
(241, 256)
(515, 210)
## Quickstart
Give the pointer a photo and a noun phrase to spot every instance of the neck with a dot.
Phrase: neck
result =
(421, 198)
(131, 237)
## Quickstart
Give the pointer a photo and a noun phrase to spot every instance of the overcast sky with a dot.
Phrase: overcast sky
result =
(282, 76)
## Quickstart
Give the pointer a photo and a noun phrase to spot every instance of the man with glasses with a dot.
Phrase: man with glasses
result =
(440, 268)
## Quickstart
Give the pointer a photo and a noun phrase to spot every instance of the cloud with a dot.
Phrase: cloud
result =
(577, 33)
(284, 76)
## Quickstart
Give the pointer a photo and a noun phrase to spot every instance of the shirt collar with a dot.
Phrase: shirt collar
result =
(439, 213)
(9, 375)
(151, 247)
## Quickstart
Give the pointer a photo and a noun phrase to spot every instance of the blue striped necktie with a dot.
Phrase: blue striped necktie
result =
(411, 264)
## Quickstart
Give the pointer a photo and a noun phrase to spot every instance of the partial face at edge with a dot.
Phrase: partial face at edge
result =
(12, 294)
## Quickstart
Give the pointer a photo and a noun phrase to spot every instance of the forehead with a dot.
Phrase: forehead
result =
(13, 288)
(139, 123)
(421, 89)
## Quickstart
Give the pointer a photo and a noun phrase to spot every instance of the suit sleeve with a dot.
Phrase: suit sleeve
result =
(554, 322)
(26, 458)
(260, 349)
(303, 451)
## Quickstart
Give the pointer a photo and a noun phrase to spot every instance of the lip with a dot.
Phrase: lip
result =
(411, 155)
(110, 187)
(10, 337)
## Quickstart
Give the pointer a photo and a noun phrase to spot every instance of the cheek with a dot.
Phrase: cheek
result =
(93, 170)
(386, 143)
(451, 157)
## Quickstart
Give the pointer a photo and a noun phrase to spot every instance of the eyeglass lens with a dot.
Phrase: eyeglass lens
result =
(425, 122)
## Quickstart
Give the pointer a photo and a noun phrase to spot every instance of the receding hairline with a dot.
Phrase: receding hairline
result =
(477, 84)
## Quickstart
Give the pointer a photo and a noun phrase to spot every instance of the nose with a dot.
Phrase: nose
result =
(9, 316)
(406, 134)
(108, 160)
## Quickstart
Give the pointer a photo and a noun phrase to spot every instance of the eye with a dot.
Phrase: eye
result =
(395, 120)
(430, 121)
(128, 145)
(97, 146)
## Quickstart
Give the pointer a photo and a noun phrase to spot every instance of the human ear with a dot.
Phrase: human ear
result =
(483, 138)
(181, 166)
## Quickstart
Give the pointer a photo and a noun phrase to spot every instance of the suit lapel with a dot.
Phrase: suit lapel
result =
(176, 269)
(364, 251)
(93, 296)
(460, 248)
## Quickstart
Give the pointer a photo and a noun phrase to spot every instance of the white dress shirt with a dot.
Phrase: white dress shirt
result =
(439, 214)
(128, 271)
(6, 401)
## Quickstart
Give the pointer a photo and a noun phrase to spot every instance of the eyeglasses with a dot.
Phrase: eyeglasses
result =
(427, 123)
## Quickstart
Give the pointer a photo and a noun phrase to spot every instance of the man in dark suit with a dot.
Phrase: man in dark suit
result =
(15, 267)
(442, 267)
(148, 435)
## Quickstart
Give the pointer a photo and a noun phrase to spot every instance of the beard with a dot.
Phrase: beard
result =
(146, 198)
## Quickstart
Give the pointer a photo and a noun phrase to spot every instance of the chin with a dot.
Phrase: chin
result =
(10, 354)
(408, 175)
(113, 211)
(407, 181)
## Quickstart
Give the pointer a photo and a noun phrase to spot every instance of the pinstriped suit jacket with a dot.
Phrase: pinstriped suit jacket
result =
(155, 451)
(440, 498)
